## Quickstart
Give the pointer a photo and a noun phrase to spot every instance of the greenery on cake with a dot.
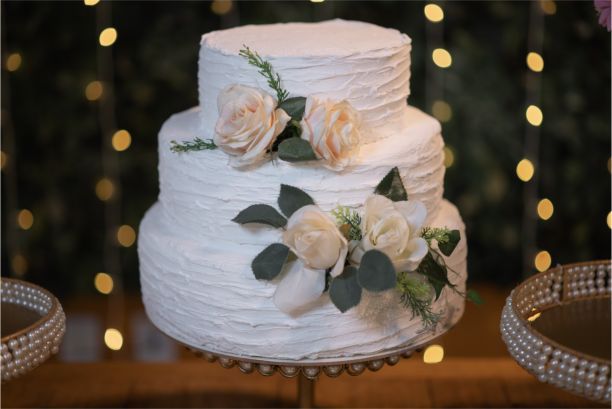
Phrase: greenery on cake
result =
(197, 144)
(350, 252)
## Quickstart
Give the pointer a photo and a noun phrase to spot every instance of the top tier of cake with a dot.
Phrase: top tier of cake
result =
(367, 65)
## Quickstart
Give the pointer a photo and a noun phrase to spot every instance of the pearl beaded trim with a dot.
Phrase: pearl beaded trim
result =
(25, 350)
(550, 362)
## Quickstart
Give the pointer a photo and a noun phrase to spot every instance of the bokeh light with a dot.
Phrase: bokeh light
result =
(108, 36)
(94, 91)
(121, 140)
(442, 111)
(441, 58)
(542, 261)
(534, 115)
(525, 170)
(104, 283)
(221, 7)
(126, 235)
(19, 265)
(433, 354)
(433, 13)
(13, 62)
(25, 219)
(105, 189)
(548, 7)
(535, 62)
(449, 156)
(113, 339)
(545, 209)
(609, 220)
(91, 2)
(3, 159)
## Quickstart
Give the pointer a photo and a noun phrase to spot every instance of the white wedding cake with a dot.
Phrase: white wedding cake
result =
(312, 118)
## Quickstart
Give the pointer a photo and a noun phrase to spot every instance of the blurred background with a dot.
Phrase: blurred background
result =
(522, 90)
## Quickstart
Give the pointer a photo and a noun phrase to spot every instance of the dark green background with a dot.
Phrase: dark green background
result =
(58, 141)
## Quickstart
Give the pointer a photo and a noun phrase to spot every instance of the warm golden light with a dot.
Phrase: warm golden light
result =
(545, 209)
(13, 62)
(105, 189)
(108, 36)
(103, 283)
(542, 261)
(25, 219)
(317, 1)
(525, 170)
(126, 236)
(3, 159)
(441, 58)
(94, 90)
(121, 140)
(91, 2)
(449, 156)
(534, 317)
(610, 165)
(113, 339)
(609, 220)
(442, 111)
(534, 115)
(548, 7)
(433, 13)
(433, 354)
(20, 265)
(535, 62)
(221, 7)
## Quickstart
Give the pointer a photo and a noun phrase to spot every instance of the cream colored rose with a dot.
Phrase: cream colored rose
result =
(393, 228)
(314, 237)
(248, 123)
(332, 129)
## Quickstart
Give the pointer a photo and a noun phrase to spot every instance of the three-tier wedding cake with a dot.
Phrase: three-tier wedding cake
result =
(301, 211)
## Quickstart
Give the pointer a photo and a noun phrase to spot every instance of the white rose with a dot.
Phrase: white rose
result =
(314, 237)
(393, 228)
(248, 123)
(332, 129)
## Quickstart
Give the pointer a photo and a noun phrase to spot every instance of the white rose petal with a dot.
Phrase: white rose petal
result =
(298, 288)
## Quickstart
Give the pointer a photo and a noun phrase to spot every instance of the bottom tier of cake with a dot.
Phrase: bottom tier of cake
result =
(210, 300)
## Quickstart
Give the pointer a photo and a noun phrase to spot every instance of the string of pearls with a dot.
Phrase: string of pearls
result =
(551, 363)
(24, 351)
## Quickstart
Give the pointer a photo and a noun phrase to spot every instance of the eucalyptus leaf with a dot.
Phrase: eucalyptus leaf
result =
(292, 199)
(294, 107)
(474, 297)
(448, 247)
(391, 186)
(269, 263)
(436, 273)
(376, 271)
(345, 291)
(295, 149)
(261, 213)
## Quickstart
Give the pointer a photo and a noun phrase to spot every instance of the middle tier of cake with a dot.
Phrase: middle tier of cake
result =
(195, 185)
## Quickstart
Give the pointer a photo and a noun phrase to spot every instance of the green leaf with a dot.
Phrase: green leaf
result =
(260, 213)
(448, 247)
(292, 199)
(392, 187)
(345, 291)
(294, 107)
(296, 150)
(436, 273)
(376, 272)
(269, 263)
(474, 297)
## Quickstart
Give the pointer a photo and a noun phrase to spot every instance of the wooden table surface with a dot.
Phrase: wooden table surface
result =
(455, 382)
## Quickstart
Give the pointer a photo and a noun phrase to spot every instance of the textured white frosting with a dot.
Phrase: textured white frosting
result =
(367, 65)
(196, 278)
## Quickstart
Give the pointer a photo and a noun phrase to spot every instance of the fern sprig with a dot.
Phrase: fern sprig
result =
(440, 234)
(265, 69)
(346, 216)
(198, 144)
(416, 296)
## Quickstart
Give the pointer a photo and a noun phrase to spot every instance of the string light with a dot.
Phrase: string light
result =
(449, 156)
(108, 36)
(221, 7)
(434, 354)
(542, 261)
(525, 170)
(545, 209)
(25, 219)
(441, 58)
(13, 62)
(534, 115)
(94, 91)
(19, 264)
(3, 159)
(126, 236)
(548, 7)
(433, 13)
(535, 62)
(91, 2)
(609, 220)
(103, 283)
(105, 189)
(442, 111)
(113, 339)
(121, 140)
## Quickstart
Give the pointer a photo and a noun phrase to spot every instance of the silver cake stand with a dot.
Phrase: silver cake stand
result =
(308, 370)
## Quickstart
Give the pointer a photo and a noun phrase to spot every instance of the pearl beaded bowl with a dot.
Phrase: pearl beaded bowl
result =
(545, 358)
(37, 324)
